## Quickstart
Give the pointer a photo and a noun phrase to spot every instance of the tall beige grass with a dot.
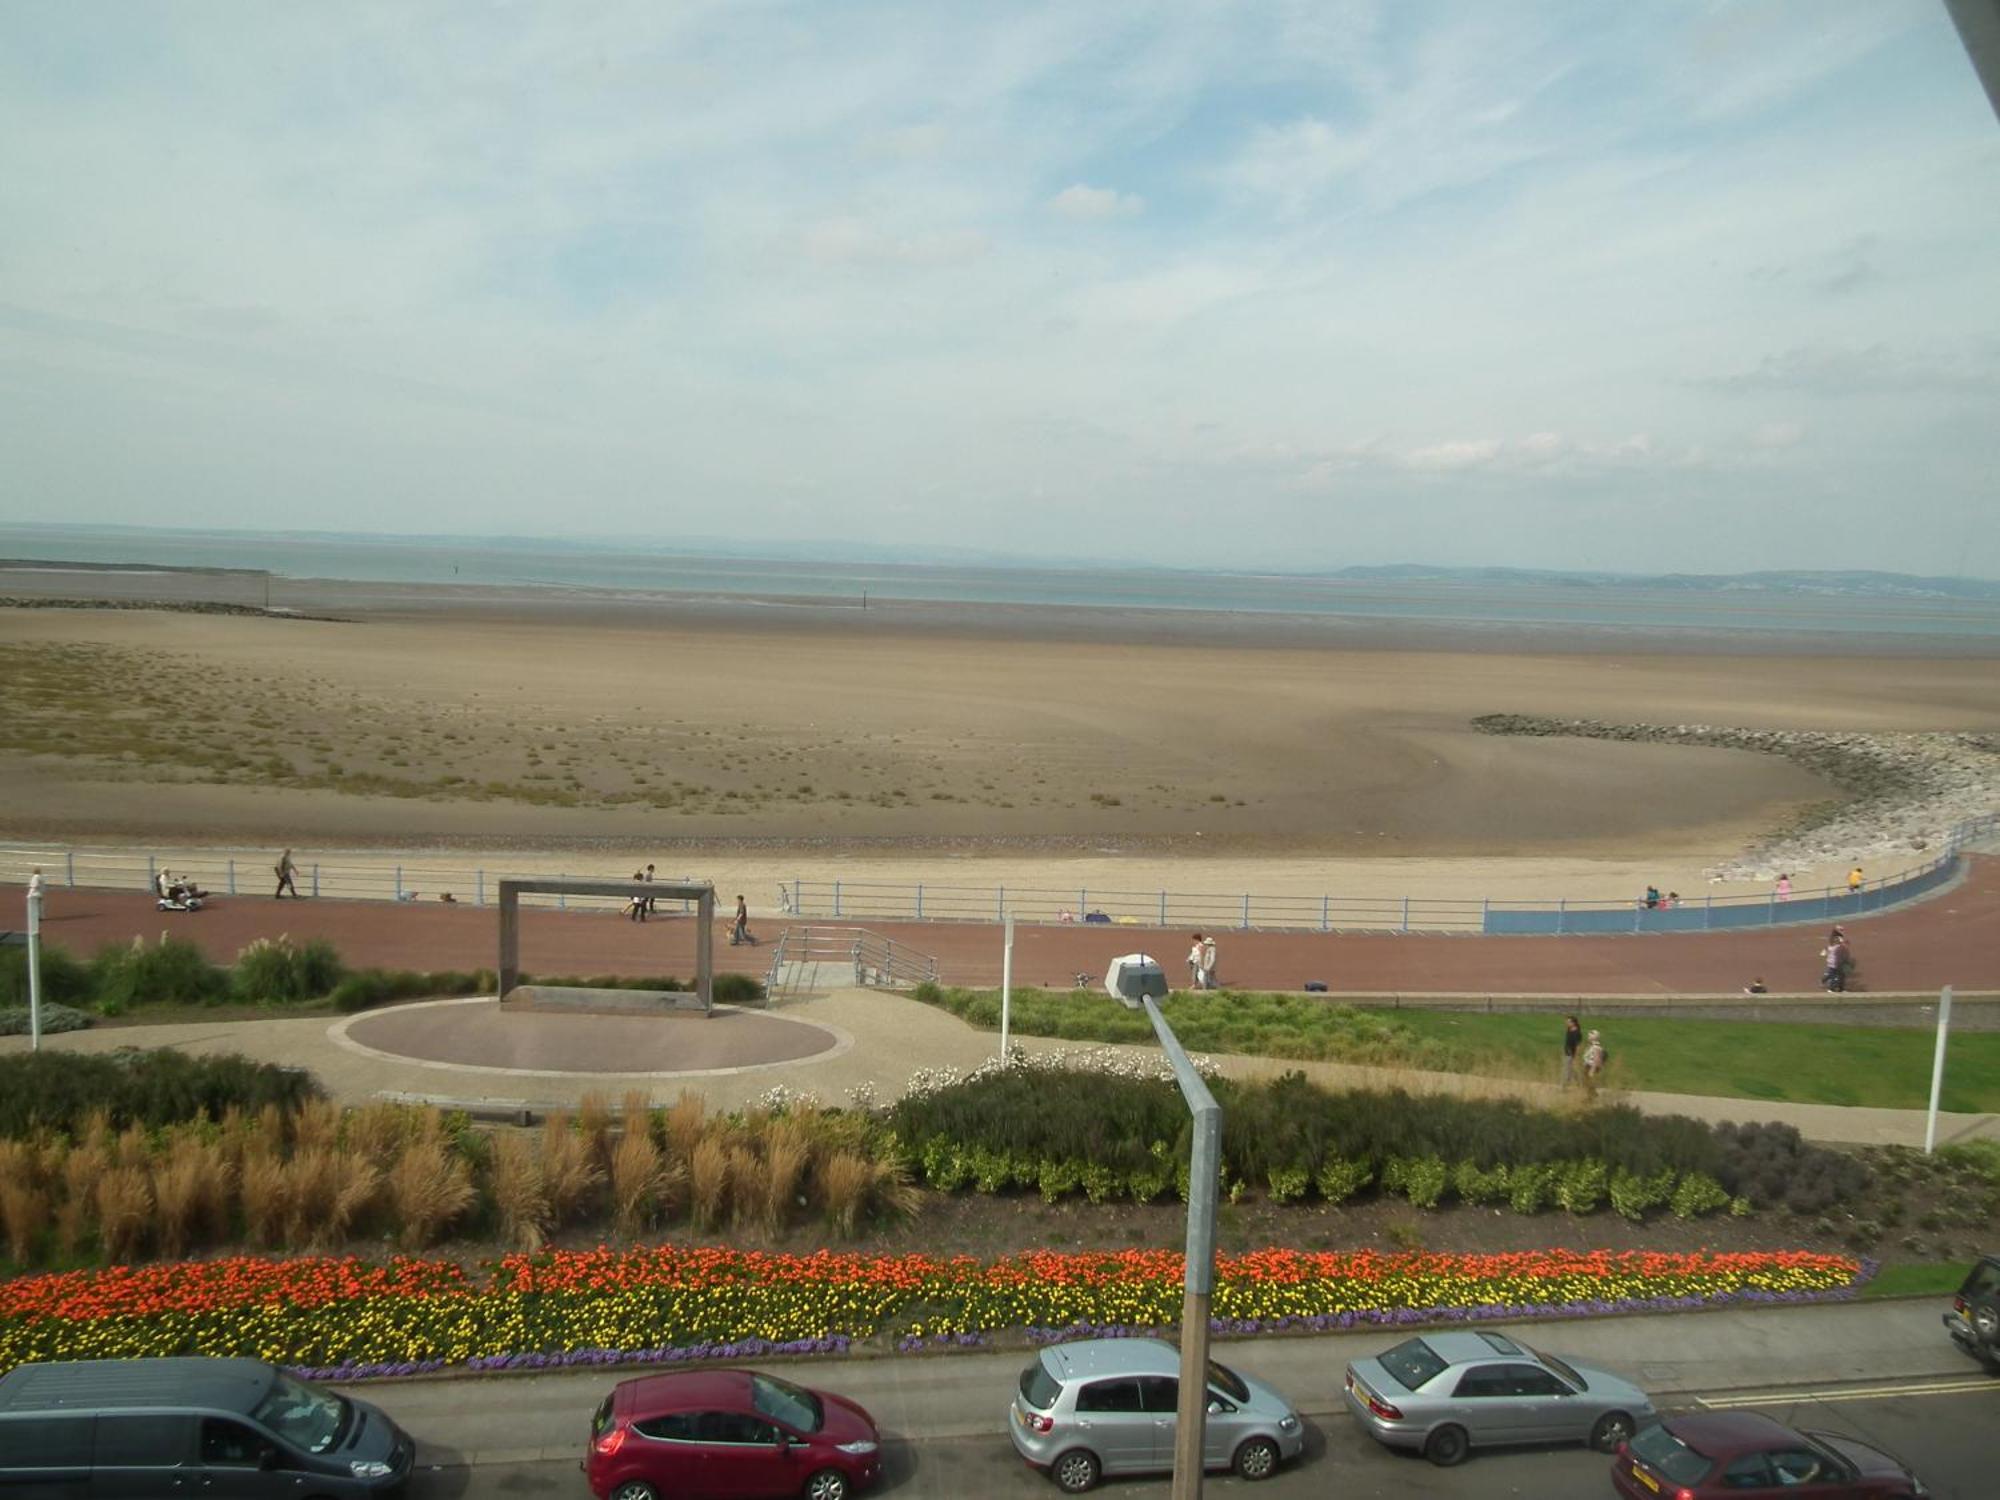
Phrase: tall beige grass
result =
(521, 1191)
(636, 1180)
(24, 1200)
(429, 1188)
(593, 1123)
(787, 1151)
(747, 1187)
(686, 1123)
(316, 1126)
(845, 1178)
(266, 1197)
(375, 1133)
(124, 1211)
(571, 1177)
(708, 1182)
(81, 1167)
(179, 1194)
(329, 1192)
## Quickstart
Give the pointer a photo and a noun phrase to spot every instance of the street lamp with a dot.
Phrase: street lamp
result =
(1139, 982)
(35, 961)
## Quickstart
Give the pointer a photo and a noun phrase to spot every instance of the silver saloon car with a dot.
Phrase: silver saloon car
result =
(1444, 1394)
(1107, 1406)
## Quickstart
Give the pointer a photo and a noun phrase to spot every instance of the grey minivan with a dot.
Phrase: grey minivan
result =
(224, 1427)
(1108, 1406)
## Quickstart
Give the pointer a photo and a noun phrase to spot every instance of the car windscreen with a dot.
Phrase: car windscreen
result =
(1413, 1363)
(1670, 1456)
(1563, 1368)
(1038, 1387)
(1222, 1378)
(309, 1420)
(781, 1401)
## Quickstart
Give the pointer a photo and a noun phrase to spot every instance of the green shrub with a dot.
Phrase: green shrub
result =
(1341, 1177)
(172, 971)
(1698, 1194)
(737, 989)
(367, 988)
(1580, 1185)
(1477, 1185)
(1531, 1187)
(14, 1019)
(65, 978)
(281, 970)
(1289, 1184)
(1633, 1196)
(1056, 1179)
(1422, 1179)
(55, 1090)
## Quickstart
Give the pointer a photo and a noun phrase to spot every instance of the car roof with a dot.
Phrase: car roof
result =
(1468, 1346)
(1724, 1434)
(83, 1385)
(685, 1390)
(1092, 1359)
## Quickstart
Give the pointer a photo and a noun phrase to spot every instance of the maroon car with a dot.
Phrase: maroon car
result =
(1743, 1455)
(703, 1433)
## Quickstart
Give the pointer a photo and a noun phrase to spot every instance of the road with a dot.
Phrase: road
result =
(1942, 1427)
(1883, 1371)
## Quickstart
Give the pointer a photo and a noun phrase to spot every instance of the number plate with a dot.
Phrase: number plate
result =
(1646, 1479)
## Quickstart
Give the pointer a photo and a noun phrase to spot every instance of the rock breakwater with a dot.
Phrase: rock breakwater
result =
(1904, 792)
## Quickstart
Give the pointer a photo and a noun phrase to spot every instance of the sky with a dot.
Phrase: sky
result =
(1645, 286)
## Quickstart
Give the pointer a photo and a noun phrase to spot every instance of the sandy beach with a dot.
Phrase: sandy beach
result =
(756, 742)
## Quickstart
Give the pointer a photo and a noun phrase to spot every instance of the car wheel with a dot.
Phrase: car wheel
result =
(635, 1489)
(827, 1484)
(1613, 1428)
(1985, 1320)
(1447, 1446)
(1075, 1471)
(1256, 1459)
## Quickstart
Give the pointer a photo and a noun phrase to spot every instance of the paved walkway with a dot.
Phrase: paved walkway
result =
(875, 1042)
(872, 1041)
(1948, 938)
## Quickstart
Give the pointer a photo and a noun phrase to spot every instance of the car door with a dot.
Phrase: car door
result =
(237, 1462)
(1161, 1395)
(763, 1461)
(140, 1456)
(1539, 1407)
(666, 1451)
(1476, 1404)
(1112, 1421)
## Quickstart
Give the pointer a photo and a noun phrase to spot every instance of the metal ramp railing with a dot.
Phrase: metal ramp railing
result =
(817, 957)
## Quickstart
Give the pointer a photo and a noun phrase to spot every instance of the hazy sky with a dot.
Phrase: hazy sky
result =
(1633, 285)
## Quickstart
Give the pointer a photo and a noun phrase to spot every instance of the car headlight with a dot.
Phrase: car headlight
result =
(1287, 1422)
(859, 1447)
(369, 1468)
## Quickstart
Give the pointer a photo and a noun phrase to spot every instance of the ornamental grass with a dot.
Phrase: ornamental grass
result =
(351, 1317)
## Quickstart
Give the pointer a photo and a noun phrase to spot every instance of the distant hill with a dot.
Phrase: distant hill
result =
(1790, 581)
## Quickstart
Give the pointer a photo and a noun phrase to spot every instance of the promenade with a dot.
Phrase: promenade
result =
(870, 1041)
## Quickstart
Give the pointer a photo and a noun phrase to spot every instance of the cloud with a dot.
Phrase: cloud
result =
(1774, 436)
(1080, 201)
(850, 241)
(1873, 369)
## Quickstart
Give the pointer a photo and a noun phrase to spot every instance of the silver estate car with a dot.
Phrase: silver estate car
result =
(1446, 1393)
(1106, 1406)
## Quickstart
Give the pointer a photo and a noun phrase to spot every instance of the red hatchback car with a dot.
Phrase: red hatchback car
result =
(1743, 1455)
(703, 1433)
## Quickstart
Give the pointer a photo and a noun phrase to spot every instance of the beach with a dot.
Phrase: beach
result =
(753, 741)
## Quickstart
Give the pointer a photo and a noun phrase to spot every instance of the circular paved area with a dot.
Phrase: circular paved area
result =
(478, 1034)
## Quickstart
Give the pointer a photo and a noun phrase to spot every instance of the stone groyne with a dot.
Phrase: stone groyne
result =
(1903, 792)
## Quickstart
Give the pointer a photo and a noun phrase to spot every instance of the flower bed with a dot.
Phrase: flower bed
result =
(348, 1317)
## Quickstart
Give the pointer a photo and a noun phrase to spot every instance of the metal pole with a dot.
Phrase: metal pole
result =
(1006, 987)
(35, 962)
(1937, 1070)
(232, 877)
(1198, 1295)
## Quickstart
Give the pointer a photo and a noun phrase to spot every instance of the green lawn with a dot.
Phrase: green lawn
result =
(1808, 1064)
(1917, 1279)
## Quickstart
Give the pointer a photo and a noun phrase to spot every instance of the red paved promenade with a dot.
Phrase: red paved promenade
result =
(1952, 938)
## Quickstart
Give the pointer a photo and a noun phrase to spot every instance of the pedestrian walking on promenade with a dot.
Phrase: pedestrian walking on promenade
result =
(1208, 962)
(1194, 963)
(285, 871)
(1572, 1044)
(652, 901)
(640, 904)
(739, 931)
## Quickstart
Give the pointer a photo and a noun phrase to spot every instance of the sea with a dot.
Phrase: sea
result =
(527, 563)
